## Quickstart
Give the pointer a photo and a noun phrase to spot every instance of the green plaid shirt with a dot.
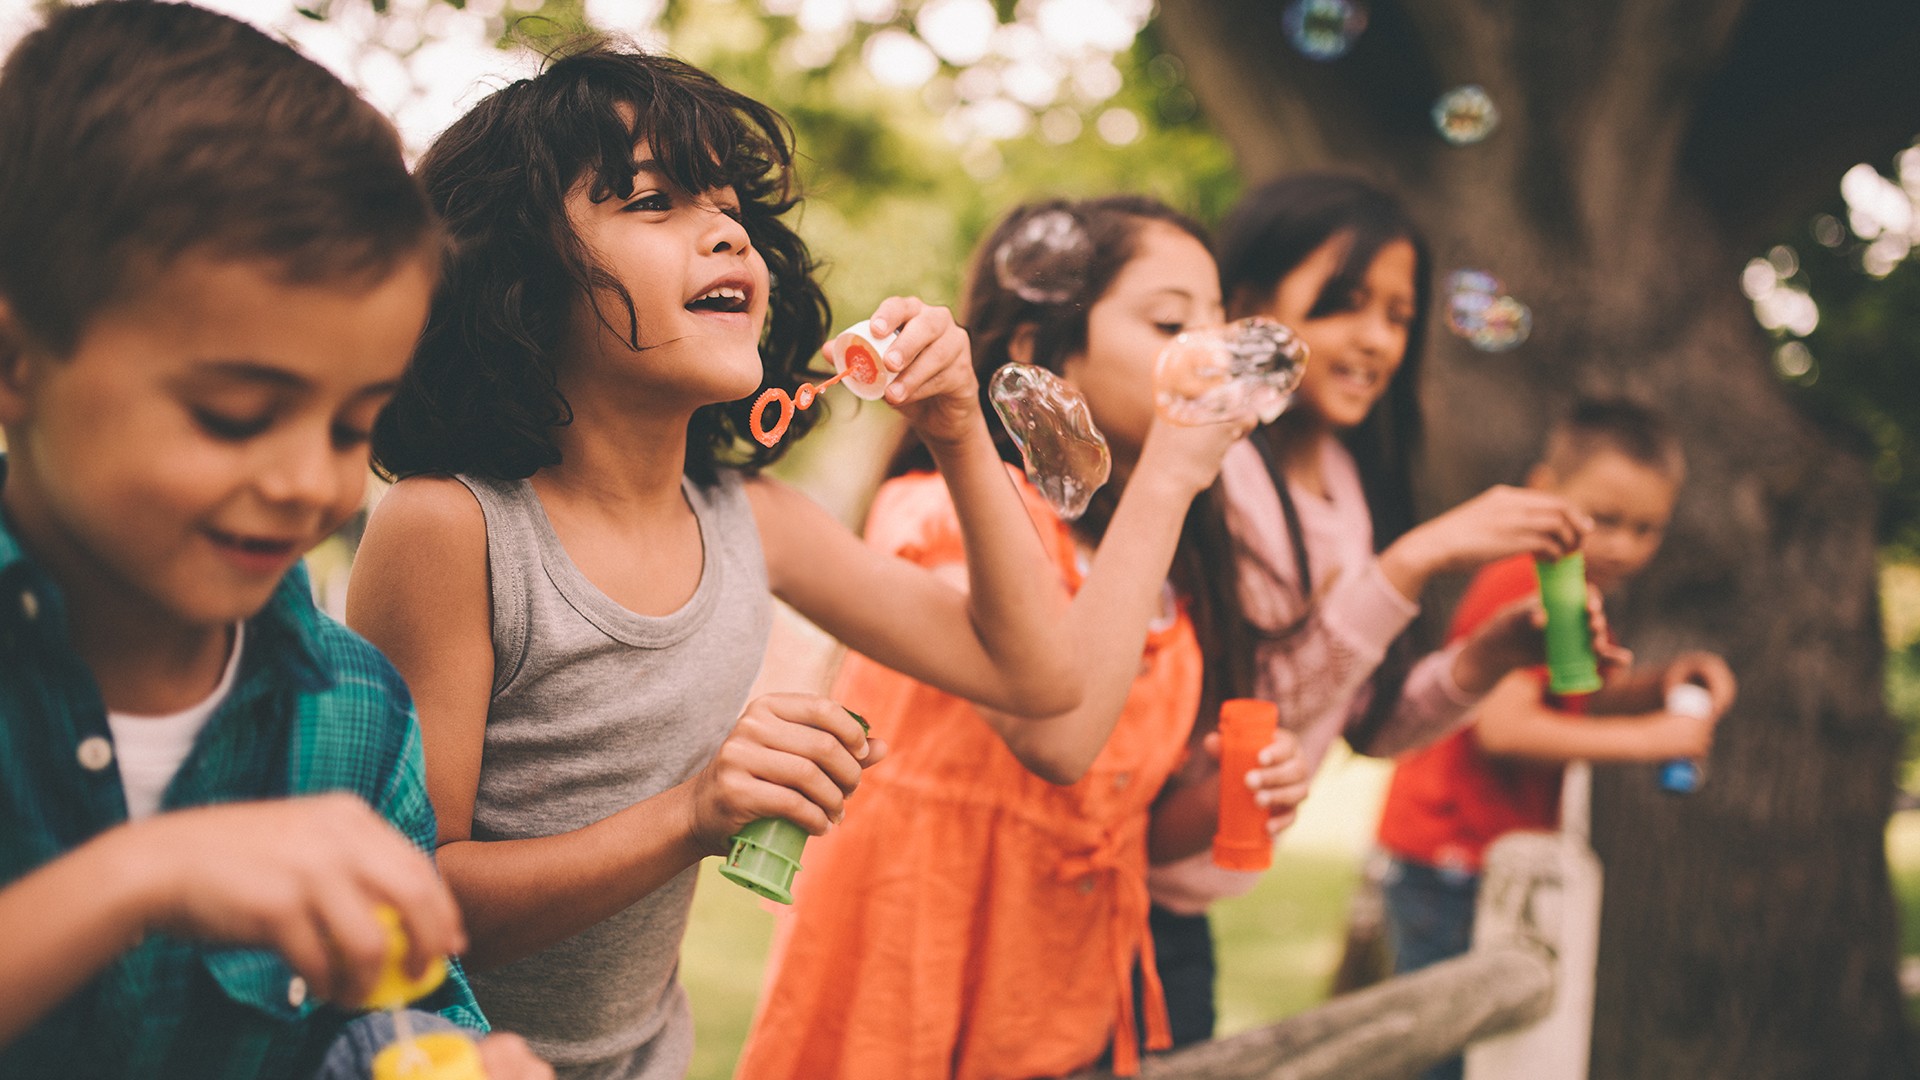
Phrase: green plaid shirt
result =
(313, 708)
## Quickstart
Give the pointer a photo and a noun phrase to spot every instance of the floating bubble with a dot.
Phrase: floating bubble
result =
(1469, 294)
(1045, 261)
(1323, 29)
(1065, 454)
(1249, 367)
(1503, 325)
(1479, 310)
(1465, 115)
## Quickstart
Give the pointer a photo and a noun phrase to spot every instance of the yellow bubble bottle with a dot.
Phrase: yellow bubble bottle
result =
(439, 1055)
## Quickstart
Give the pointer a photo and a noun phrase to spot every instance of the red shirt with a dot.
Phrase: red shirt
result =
(1448, 801)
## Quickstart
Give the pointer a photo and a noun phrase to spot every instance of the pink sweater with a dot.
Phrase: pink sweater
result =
(1320, 675)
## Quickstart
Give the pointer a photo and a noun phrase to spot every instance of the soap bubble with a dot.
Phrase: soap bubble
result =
(1046, 259)
(1323, 29)
(1479, 310)
(1469, 294)
(1249, 367)
(1503, 325)
(1465, 115)
(1065, 454)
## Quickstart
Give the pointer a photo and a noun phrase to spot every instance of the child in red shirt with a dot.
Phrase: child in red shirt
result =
(1620, 464)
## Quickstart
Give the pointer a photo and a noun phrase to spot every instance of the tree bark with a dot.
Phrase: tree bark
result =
(1749, 930)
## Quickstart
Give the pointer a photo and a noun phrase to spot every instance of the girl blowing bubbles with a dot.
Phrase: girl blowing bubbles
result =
(985, 914)
(573, 570)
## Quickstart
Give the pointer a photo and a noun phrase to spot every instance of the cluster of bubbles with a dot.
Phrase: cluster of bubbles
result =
(1065, 455)
(1323, 29)
(1479, 310)
(1465, 115)
(1046, 259)
(1251, 366)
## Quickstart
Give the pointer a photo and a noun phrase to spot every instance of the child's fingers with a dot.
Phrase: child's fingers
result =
(506, 1056)
(815, 711)
(818, 750)
(1281, 822)
(298, 938)
(356, 941)
(917, 334)
(893, 313)
(942, 371)
(805, 760)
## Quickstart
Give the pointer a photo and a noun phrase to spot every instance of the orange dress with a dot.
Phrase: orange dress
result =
(969, 919)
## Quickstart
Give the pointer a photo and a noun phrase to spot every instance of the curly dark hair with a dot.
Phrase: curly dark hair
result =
(481, 395)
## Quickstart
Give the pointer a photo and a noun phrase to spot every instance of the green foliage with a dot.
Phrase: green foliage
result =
(1866, 375)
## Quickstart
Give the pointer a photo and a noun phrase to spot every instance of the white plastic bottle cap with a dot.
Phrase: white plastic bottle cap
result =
(1688, 699)
(858, 340)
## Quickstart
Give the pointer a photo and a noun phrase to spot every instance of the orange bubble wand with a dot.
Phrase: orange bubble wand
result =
(802, 397)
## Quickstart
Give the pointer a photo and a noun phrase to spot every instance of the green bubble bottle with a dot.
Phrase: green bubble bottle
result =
(1573, 672)
(766, 853)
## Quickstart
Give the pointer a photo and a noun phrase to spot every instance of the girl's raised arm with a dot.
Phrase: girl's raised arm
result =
(1001, 643)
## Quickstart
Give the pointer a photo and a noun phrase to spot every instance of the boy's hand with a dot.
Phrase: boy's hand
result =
(792, 756)
(1703, 669)
(505, 1056)
(1280, 783)
(1680, 735)
(300, 876)
(936, 389)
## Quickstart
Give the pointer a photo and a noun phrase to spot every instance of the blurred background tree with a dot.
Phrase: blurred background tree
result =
(1653, 159)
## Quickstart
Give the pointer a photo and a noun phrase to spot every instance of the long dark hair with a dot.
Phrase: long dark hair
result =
(1272, 230)
(995, 315)
(481, 395)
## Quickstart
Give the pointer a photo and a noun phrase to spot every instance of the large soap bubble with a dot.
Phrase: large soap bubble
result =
(1323, 29)
(1465, 115)
(1248, 367)
(1065, 454)
(1046, 259)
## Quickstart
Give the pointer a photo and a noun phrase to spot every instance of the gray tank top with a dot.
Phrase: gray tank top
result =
(594, 709)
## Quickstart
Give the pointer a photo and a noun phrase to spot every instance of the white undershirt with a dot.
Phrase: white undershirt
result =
(150, 749)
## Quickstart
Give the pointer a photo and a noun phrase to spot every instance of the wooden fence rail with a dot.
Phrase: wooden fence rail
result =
(1392, 1030)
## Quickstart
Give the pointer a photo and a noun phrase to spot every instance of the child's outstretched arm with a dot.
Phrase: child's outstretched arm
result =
(998, 643)
(1645, 689)
(1514, 720)
(300, 876)
(420, 593)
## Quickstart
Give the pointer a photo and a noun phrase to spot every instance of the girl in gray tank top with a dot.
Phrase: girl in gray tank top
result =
(570, 459)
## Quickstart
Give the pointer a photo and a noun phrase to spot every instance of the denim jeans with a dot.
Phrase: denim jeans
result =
(1429, 919)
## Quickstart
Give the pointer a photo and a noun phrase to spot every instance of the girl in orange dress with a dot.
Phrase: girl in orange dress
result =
(984, 913)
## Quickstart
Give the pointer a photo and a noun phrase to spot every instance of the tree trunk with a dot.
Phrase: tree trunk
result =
(1749, 930)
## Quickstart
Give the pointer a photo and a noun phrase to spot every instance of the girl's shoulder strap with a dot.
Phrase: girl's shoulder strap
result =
(513, 553)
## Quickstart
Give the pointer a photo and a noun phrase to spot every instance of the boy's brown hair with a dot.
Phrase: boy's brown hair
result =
(1636, 432)
(134, 132)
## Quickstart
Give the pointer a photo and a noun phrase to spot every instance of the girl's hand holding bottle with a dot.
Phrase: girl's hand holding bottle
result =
(1493, 525)
(935, 388)
(792, 756)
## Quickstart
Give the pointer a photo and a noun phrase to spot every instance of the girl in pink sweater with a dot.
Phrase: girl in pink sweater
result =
(1320, 505)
